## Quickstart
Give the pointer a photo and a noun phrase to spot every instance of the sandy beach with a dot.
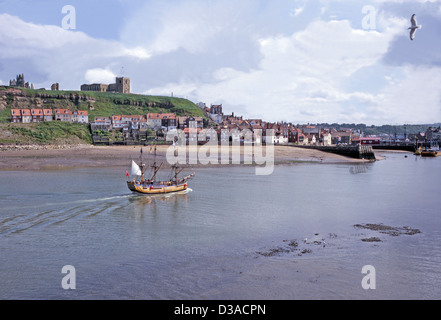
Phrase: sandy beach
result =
(121, 156)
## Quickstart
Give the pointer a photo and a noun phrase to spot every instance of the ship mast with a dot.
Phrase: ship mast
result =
(141, 165)
(175, 166)
(155, 166)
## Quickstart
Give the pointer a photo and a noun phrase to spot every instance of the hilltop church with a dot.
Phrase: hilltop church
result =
(121, 85)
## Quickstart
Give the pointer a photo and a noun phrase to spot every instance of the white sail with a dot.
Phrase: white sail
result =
(136, 170)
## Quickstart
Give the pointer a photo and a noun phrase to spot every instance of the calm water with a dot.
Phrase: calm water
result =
(228, 238)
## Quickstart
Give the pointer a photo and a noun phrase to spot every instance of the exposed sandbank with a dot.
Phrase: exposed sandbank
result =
(121, 156)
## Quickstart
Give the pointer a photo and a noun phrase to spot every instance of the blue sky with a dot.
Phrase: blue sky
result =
(280, 60)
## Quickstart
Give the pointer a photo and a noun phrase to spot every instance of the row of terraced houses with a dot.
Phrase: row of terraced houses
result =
(154, 121)
(283, 132)
(39, 115)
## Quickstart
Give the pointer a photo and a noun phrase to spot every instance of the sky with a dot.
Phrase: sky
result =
(276, 60)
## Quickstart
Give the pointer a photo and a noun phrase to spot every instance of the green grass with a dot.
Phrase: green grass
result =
(46, 132)
(108, 104)
(104, 104)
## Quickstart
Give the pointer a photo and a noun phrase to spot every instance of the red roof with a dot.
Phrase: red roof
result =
(37, 112)
(25, 112)
(63, 111)
(161, 116)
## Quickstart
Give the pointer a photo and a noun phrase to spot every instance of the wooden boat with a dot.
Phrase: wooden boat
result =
(151, 186)
(429, 153)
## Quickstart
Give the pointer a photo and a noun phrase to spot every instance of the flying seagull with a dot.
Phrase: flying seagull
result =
(413, 27)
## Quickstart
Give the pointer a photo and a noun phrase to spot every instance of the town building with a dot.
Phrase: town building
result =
(48, 115)
(26, 116)
(101, 123)
(185, 122)
(63, 115)
(215, 113)
(326, 139)
(129, 122)
(117, 122)
(80, 116)
(433, 134)
(15, 115)
(154, 121)
(161, 121)
(342, 136)
(37, 115)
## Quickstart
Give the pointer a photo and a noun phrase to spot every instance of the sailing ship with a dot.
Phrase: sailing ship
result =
(152, 185)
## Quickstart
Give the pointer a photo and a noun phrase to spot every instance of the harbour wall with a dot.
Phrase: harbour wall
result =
(357, 151)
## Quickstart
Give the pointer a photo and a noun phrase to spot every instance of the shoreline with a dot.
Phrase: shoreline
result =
(89, 156)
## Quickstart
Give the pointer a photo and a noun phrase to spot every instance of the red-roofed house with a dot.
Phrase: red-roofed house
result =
(81, 116)
(48, 115)
(327, 139)
(26, 116)
(37, 115)
(156, 121)
(101, 123)
(16, 115)
(63, 115)
(117, 122)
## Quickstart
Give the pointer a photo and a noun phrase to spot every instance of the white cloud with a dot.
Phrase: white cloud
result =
(252, 56)
(297, 11)
(64, 56)
(100, 76)
(300, 77)
(415, 98)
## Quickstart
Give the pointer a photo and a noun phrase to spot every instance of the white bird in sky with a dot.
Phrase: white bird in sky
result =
(413, 27)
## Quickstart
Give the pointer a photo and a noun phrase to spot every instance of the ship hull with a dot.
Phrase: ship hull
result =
(155, 189)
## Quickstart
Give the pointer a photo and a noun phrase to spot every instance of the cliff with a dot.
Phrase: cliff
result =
(96, 103)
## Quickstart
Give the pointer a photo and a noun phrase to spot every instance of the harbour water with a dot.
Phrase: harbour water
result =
(234, 235)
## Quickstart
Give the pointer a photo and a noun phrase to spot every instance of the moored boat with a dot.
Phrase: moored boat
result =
(430, 153)
(152, 186)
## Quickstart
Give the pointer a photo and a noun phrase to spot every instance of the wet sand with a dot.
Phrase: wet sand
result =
(121, 156)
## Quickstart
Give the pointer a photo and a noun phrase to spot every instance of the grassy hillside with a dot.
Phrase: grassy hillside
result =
(97, 103)
(53, 132)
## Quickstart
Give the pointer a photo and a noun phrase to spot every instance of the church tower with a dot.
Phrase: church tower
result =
(123, 85)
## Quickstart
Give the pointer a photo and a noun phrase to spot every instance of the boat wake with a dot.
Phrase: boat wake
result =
(18, 219)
